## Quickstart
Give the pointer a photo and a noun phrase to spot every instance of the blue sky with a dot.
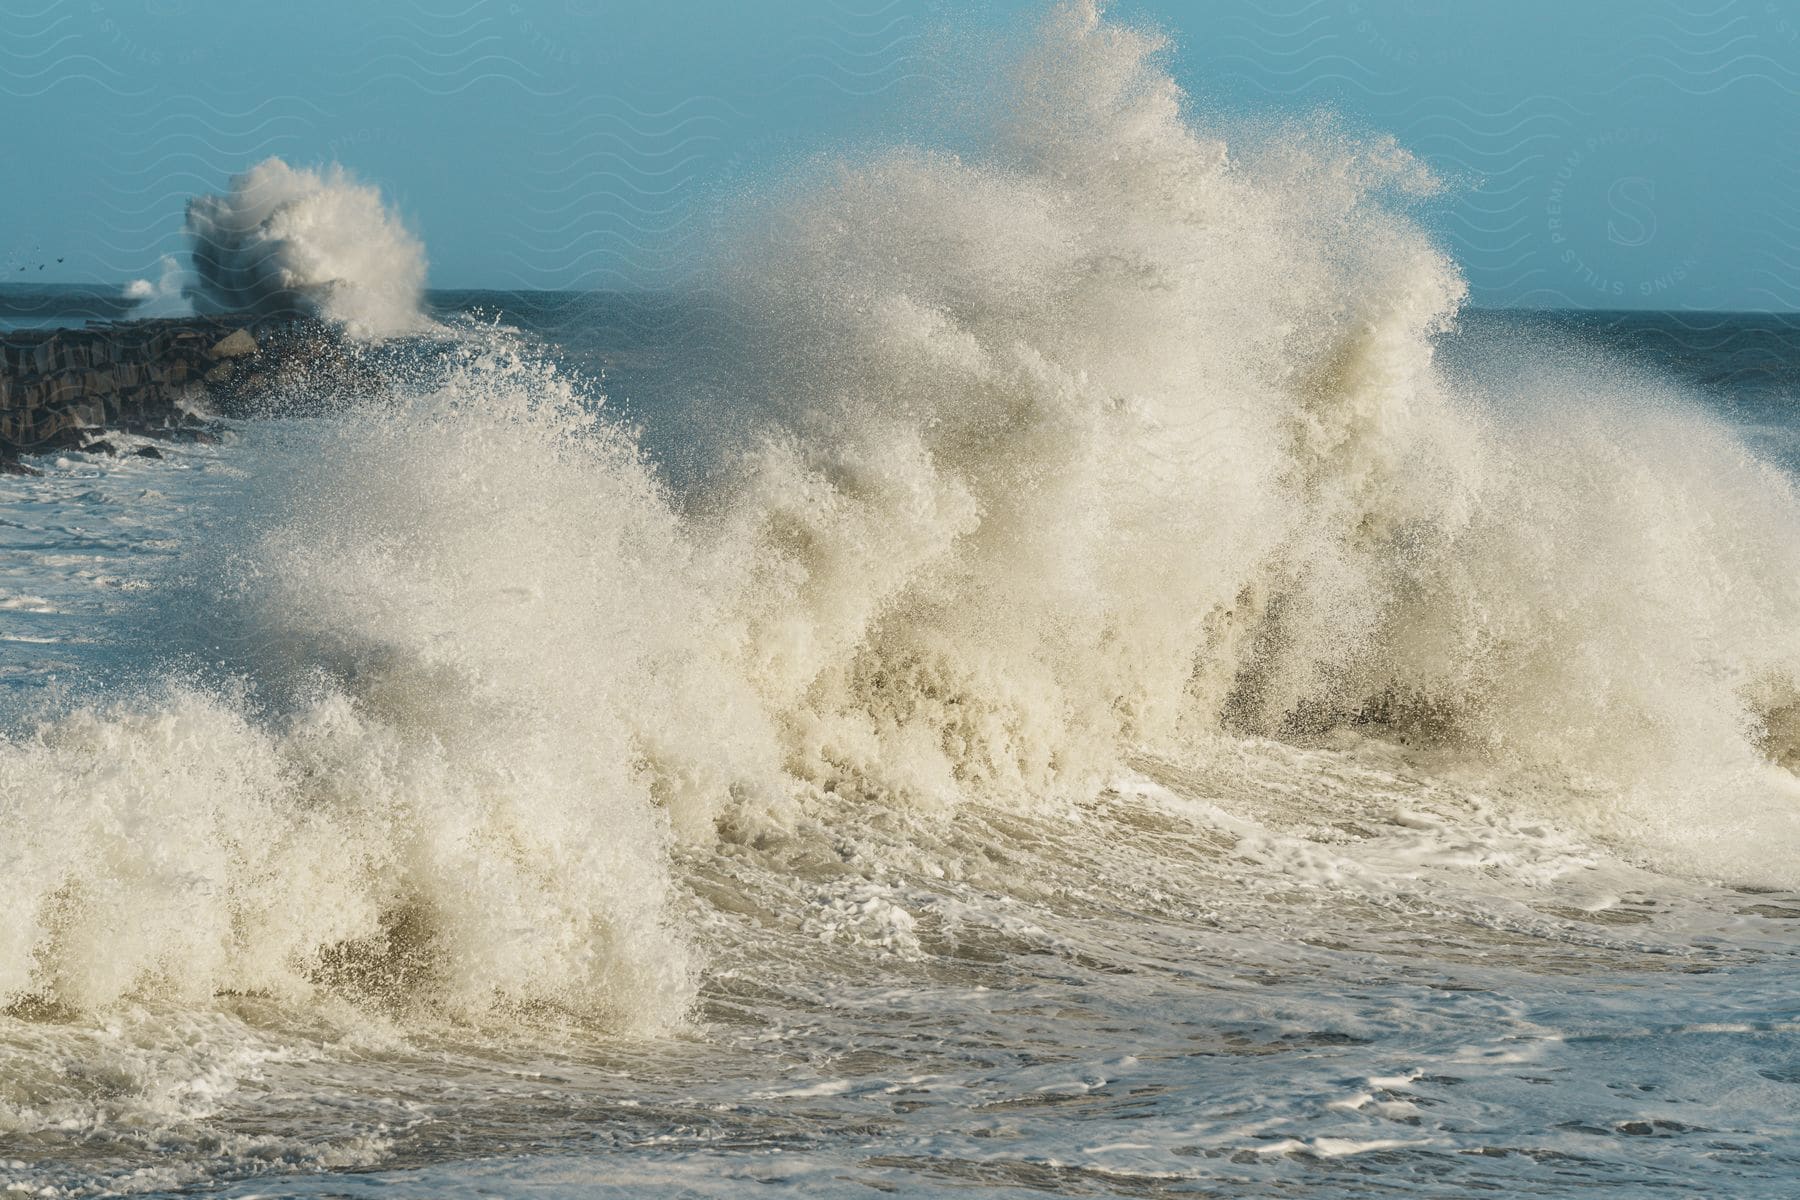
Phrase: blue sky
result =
(1600, 154)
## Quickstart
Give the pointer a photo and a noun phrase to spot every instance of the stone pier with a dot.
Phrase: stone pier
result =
(63, 389)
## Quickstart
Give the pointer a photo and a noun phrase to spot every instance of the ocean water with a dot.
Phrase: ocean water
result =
(1078, 668)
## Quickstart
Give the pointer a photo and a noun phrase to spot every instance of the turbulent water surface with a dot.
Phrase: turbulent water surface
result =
(1071, 668)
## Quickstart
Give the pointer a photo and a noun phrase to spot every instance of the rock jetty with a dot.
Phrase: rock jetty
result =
(63, 389)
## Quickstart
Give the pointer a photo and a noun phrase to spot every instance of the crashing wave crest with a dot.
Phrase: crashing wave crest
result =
(284, 240)
(1112, 435)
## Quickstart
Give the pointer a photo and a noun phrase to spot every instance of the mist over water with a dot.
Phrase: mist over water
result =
(1099, 569)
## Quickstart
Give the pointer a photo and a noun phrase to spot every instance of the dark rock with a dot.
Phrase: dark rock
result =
(63, 433)
(237, 344)
(99, 447)
(148, 452)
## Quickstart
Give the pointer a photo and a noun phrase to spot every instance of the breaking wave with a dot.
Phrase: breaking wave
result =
(1116, 434)
(283, 240)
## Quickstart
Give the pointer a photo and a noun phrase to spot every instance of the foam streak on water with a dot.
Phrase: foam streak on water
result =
(1108, 711)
